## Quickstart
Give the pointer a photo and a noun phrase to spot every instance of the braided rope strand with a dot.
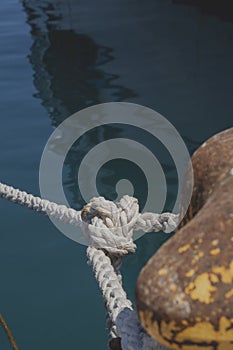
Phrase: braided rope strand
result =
(60, 212)
(104, 224)
(111, 326)
(119, 308)
(108, 228)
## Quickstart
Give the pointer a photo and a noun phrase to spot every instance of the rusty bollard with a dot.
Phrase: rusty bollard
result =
(184, 294)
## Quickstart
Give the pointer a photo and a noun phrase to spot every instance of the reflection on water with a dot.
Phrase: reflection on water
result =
(72, 71)
(67, 66)
(175, 59)
(69, 76)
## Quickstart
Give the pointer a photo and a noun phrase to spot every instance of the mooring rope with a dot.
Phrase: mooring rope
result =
(104, 224)
(108, 229)
(119, 307)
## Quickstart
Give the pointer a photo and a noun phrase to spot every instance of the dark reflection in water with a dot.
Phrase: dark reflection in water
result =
(68, 76)
(220, 8)
(176, 63)
(67, 65)
(73, 62)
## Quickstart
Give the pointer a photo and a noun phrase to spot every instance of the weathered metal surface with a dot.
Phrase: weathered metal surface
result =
(184, 294)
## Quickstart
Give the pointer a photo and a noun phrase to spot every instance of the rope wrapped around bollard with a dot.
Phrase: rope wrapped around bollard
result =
(108, 230)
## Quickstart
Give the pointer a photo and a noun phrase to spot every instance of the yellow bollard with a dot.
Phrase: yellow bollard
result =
(184, 294)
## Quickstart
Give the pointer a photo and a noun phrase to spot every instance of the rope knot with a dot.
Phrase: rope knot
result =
(110, 225)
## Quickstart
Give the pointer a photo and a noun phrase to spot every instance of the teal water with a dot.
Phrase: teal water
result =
(55, 59)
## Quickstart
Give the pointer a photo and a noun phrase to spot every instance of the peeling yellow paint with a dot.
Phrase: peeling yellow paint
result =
(152, 328)
(168, 328)
(163, 272)
(184, 322)
(225, 273)
(190, 286)
(229, 294)
(201, 288)
(214, 278)
(146, 318)
(197, 257)
(204, 331)
(215, 242)
(215, 251)
(190, 273)
(184, 248)
(175, 337)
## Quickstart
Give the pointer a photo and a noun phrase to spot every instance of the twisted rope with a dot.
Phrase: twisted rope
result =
(120, 309)
(56, 211)
(108, 229)
(104, 224)
(113, 337)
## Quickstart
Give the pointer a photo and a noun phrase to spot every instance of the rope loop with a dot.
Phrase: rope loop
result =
(110, 225)
(105, 225)
(108, 229)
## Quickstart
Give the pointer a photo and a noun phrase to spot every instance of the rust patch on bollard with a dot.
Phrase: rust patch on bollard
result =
(184, 294)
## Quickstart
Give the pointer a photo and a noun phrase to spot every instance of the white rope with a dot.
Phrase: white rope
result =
(60, 212)
(119, 307)
(104, 224)
(116, 262)
(108, 229)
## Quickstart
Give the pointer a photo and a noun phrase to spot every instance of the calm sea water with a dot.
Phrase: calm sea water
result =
(55, 59)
